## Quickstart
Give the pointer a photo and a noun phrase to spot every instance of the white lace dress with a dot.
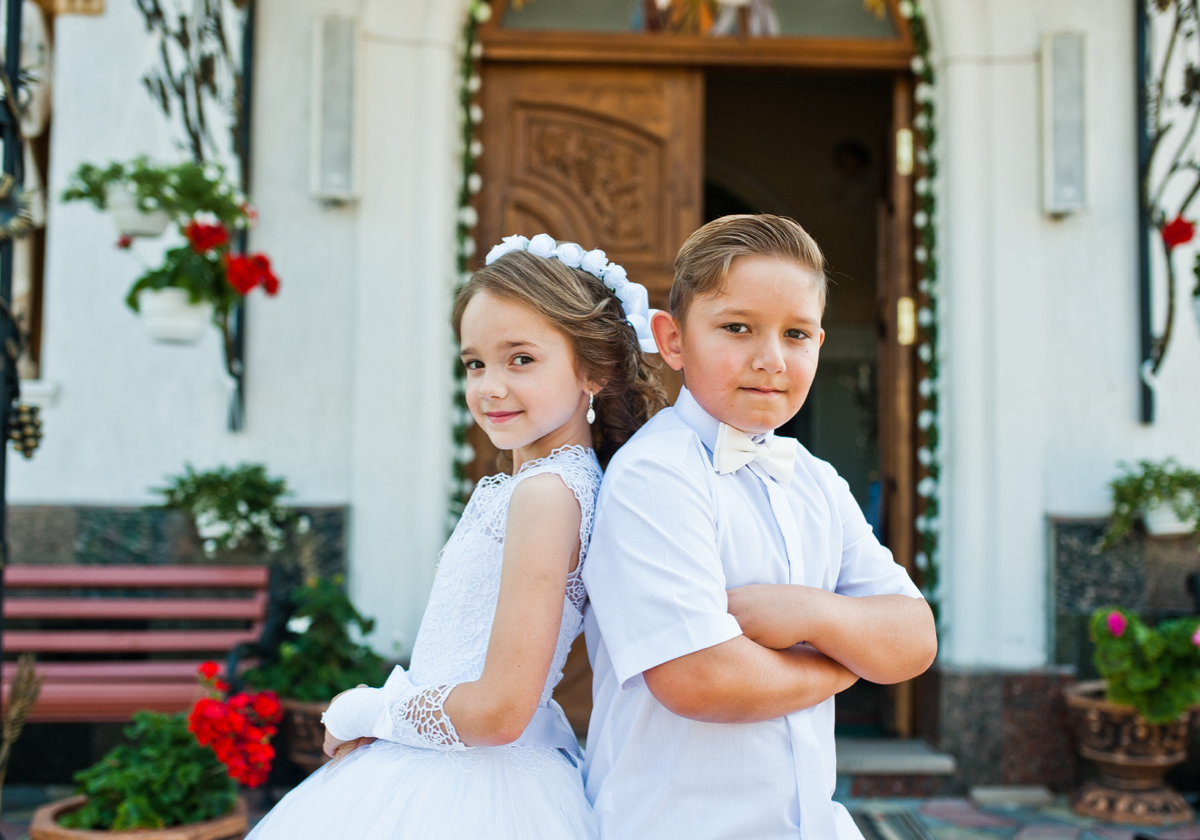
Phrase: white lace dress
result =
(423, 782)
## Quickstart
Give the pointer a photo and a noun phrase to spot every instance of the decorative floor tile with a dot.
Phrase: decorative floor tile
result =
(955, 833)
(1049, 831)
(960, 812)
(1110, 833)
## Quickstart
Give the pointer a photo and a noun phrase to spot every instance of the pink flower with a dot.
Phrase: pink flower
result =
(1116, 623)
(1196, 637)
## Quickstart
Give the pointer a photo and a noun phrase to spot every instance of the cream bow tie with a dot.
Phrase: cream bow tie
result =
(735, 449)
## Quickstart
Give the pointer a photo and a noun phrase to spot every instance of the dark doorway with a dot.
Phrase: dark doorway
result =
(814, 147)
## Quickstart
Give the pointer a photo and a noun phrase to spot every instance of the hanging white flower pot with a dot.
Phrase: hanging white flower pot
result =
(130, 219)
(170, 317)
(1161, 521)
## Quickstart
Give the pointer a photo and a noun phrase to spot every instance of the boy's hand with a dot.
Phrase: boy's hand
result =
(770, 614)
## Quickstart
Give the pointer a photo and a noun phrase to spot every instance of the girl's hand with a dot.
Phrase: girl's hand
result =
(337, 749)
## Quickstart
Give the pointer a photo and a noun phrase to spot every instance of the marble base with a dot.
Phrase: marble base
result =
(1002, 727)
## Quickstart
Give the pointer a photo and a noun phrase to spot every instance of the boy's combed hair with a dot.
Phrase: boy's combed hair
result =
(589, 316)
(704, 260)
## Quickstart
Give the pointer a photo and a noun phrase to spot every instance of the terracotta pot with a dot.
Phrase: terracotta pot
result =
(170, 317)
(130, 219)
(1132, 756)
(305, 732)
(45, 826)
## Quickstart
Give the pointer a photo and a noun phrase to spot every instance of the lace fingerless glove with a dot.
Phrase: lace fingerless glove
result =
(398, 712)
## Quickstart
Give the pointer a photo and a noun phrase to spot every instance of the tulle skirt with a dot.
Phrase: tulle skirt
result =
(388, 791)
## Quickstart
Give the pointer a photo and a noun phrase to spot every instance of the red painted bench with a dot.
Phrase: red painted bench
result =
(111, 640)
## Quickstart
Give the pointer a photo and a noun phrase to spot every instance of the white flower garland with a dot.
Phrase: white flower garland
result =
(635, 300)
(470, 184)
(929, 459)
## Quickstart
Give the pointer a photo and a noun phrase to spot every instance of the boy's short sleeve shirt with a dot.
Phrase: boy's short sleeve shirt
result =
(670, 537)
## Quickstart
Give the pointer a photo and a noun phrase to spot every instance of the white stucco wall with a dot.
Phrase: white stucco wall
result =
(1040, 319)
(348, 369)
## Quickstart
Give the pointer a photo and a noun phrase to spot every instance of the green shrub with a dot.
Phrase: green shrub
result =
(321, 658)
(1155, 670)
(1153, 483)
(232, 506)
(183, 190)
(162, 778)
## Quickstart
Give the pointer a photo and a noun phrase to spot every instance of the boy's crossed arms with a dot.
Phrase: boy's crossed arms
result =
(800, 646)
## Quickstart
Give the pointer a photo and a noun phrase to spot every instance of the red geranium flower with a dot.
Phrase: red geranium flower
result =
(238, 730)
(266, 706)
(240, 274)
(125, 241)
(1178, 232)
(205, 237)
(269, 281)
(244, 272)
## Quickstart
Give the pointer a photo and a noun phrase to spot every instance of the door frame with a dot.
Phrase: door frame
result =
(897, 362)
(500, 44)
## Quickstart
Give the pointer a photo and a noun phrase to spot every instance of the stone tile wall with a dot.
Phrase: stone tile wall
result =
(1011, 728)
(95, 535)
(1147, 574)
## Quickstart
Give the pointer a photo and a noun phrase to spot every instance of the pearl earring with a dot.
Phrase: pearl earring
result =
(591, 414)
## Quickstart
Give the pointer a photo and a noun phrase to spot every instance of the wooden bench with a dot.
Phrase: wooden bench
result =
(111, 640)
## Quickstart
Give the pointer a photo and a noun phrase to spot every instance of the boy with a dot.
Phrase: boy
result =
(713, 710)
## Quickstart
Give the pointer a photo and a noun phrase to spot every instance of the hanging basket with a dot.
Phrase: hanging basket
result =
(171, 318)
(130, 219)
(1161, 521)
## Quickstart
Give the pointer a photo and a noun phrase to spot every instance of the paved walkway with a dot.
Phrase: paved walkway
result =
(941, 818)
(961, 819)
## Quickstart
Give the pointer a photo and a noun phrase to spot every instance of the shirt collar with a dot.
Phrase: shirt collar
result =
(697, 419)
(703, 423)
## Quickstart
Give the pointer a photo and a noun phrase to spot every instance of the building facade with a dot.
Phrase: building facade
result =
(349, 384)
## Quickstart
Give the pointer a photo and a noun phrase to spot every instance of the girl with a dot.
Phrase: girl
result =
(468, 743)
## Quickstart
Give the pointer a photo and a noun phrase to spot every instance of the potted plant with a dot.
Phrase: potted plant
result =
(234, 507)
(320, 658)
(1163, 493)
(177, 777)
(1134, 723)
(144, 197)
(200, 281)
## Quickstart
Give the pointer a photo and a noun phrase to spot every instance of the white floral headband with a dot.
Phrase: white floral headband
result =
(633, 296)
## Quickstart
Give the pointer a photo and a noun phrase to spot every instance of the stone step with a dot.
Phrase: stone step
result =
(891, 757)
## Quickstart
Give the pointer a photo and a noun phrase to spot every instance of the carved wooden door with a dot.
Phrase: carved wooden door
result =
(897, 367)
(609, 157)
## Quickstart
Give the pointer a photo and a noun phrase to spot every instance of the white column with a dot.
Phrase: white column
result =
(994, 347)
(400, 451)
